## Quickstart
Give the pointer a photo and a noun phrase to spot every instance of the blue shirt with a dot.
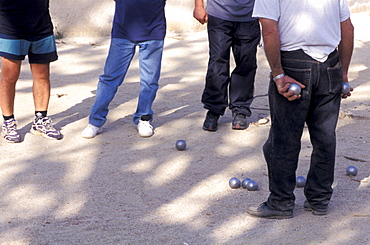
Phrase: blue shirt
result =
(25, 18)
(139, 20)
(231, 10)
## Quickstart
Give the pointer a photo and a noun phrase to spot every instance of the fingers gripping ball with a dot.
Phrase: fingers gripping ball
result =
(346, 88)
(295, 88)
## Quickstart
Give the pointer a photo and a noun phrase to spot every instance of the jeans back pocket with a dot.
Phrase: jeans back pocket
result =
(335, 76)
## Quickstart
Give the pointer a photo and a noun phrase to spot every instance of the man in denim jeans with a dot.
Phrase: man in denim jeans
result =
(139, 23)
(301, 42)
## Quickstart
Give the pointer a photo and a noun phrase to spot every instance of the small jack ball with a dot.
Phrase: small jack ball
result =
(180, 145)
(346, 88)
(245, 182)
(234, 183)
(295, 88)
(351, 171)
(300, 181)
(252, 185)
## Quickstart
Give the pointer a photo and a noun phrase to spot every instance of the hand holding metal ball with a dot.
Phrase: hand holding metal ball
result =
(346, 88)
(295, 88)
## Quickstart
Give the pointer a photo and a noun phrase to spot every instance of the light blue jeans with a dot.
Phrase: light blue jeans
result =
(120, 54)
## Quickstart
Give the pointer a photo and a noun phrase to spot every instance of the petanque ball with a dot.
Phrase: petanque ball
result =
(351, 171)
(180, 145)
(295, 88)
(245, 182)
(300, 181)
(346, 88)
(234, 183)
(252, 185)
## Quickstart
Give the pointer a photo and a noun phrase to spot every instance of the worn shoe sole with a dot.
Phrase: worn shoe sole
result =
(238, 127)
(11, 141)
(263, 211)
(307, 207)
(36, 132)
(210, 128)
(287, 216)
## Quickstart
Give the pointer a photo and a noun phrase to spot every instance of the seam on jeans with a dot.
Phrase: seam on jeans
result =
(335, 76)
(305, 78)
(301, 61)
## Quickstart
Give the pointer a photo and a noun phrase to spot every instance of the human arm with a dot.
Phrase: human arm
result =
(345, 48)
(271, 39)
(199, 12)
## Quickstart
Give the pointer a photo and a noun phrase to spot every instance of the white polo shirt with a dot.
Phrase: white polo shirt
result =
(310, 25)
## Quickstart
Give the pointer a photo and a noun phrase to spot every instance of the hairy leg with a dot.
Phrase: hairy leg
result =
(9, 76)
(41, 86)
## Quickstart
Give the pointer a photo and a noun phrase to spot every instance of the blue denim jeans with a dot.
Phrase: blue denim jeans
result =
(318, 108)
(120, 54)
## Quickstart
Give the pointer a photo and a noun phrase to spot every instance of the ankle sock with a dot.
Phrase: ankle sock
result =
(41, 114)
(6, 118)
(146, 117)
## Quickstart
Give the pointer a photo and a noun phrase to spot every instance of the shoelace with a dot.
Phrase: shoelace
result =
(11, 128)
(46, 122)
(48, 126)
(147, 124)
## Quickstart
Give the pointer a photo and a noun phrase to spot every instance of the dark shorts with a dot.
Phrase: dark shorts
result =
(39, 51)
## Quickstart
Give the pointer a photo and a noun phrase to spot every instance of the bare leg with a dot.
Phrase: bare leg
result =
(41, 86)
(9, 76)
(41, 96)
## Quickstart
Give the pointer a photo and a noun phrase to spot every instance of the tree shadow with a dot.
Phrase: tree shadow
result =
(119, 188)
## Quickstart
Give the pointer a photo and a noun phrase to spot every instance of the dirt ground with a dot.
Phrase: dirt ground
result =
(119, 188)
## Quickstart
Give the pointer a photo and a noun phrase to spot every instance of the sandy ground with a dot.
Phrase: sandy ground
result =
(119, 188)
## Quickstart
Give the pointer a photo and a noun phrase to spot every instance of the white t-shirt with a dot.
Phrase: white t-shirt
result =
(310, 25)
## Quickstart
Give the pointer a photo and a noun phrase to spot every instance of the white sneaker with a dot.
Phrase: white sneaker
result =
(91, 131)
(145, 129)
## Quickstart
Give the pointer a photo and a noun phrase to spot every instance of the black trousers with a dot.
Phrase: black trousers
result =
(223, 89)
(318, 108)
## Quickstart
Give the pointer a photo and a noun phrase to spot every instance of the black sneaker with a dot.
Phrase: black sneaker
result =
(211, 121)
(307, 206)
(264, 211)
(239, 121)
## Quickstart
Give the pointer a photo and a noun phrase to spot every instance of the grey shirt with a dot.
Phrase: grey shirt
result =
(231, 10)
